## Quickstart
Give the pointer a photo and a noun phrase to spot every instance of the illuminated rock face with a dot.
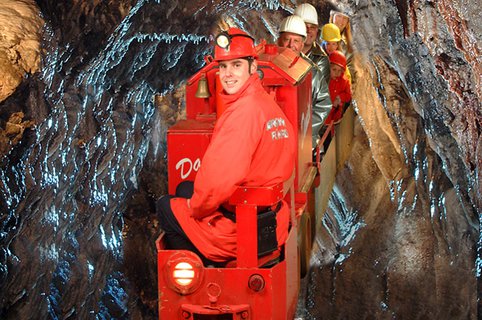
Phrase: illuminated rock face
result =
(77, 222)
(20, 30)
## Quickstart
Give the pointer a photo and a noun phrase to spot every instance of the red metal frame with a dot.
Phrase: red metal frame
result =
(278, 298)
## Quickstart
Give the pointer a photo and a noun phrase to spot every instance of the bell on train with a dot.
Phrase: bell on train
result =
(202, 88)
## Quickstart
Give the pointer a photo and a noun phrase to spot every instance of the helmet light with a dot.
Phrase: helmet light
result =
(233, 44)
(223, 40)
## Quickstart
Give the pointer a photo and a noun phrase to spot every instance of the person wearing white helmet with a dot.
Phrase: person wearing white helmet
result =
(292, 35)
(312, 49)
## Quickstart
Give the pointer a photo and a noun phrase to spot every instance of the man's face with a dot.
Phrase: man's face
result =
(312, 33)
(331, 46)
(291, 40)
(340, 21)
(234, 74)
(335, 71)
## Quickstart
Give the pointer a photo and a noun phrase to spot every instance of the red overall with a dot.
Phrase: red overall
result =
(253, 145)
(338, 87)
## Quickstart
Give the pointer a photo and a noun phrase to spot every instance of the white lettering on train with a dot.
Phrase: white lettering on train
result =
(186, 165)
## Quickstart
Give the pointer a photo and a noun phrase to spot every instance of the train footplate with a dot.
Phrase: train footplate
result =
(221, 312)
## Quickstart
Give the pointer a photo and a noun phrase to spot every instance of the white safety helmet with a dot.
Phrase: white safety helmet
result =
(307, 12)
(293, 24)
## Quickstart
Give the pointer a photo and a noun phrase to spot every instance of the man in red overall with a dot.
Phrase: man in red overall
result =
(252, 145)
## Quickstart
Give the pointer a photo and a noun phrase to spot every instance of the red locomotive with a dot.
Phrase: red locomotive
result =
(254, 286)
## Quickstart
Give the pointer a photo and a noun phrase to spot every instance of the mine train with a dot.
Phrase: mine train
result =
(253, 286)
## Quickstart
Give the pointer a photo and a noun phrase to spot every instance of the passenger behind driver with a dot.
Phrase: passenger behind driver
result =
(331, 37)
(342, 21)
(312, 48)
(292, 35)
(252, 144)
(339, 86)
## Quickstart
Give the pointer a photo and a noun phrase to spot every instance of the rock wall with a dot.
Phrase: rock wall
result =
(85, 162)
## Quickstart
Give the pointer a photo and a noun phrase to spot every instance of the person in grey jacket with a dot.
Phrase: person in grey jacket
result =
(312, 48)
(292, 35)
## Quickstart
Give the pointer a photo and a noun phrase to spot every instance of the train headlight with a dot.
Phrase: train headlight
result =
(184, 272)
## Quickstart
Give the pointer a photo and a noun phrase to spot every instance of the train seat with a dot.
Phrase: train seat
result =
(247, 200)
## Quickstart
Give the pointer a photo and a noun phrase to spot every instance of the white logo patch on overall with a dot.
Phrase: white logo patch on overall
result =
(277, 126)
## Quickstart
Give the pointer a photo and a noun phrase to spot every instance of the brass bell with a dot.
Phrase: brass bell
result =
(202, 88)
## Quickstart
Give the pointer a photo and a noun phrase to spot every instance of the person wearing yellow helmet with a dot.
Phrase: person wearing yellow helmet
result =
(330, 34)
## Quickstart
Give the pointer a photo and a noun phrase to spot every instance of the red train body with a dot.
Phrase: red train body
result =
(251, 287)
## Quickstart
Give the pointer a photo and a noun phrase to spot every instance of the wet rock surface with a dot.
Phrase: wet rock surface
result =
(82, 156)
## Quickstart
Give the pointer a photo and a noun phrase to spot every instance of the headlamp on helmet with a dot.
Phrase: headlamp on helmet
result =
(223, 40)
(232, 44)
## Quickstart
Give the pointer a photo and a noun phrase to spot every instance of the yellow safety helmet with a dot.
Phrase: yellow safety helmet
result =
(330, 33)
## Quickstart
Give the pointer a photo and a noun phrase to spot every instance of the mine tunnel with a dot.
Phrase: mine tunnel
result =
(90, 88)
